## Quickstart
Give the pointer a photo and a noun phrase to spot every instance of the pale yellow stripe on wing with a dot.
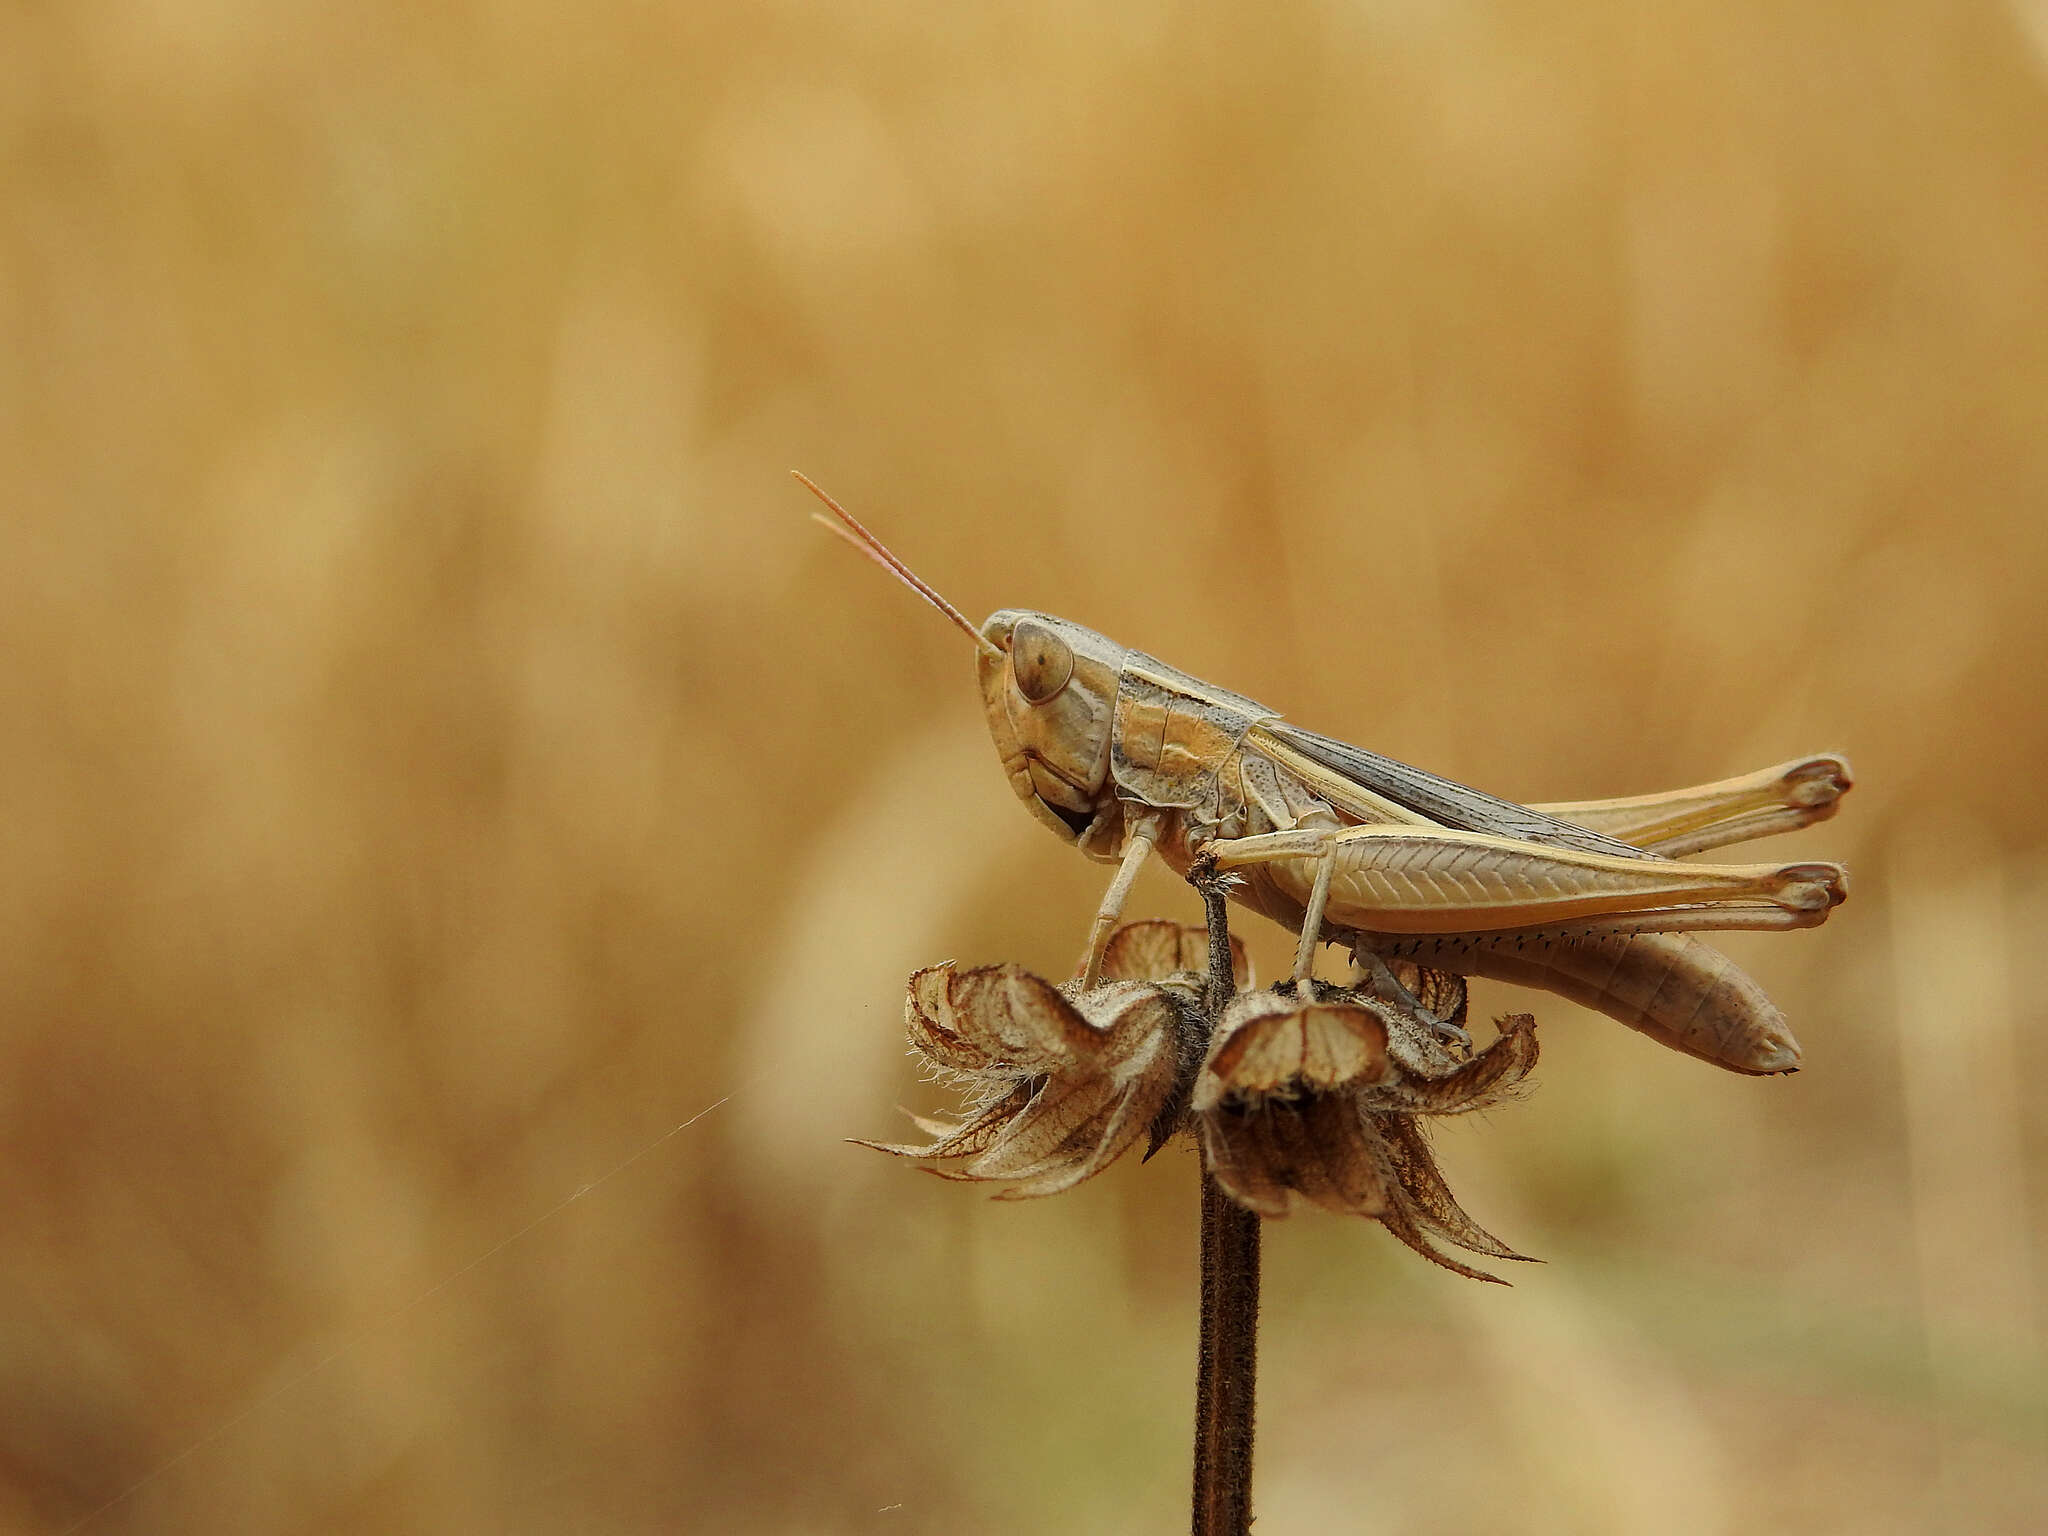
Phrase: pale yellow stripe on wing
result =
(1351, 798)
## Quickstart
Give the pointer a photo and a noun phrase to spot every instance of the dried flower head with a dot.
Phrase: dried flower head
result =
(1059, 1081)
(1313, 1095)
(1317, 1096)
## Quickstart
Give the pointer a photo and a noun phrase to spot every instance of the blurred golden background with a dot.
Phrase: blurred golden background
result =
(438, 758)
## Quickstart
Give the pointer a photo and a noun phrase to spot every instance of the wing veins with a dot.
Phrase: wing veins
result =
(1444, 801)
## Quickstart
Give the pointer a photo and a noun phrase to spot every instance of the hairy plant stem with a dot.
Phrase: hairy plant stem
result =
(1226, 1376)
(1226, 1381)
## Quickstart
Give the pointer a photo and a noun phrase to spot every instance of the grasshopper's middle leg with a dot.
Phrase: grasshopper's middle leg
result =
(1404, 879)
(1312, 917)
(1384, 982)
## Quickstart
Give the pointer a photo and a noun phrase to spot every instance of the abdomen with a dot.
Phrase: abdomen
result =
(1670, 986)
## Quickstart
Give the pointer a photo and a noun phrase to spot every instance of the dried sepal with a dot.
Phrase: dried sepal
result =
(1426, 1200)
(1236, 1158)
(1098, 1129)
(968, 1137)
(1420, 1049)
(1076, 1123)
(1441, 992)
(1275, 1043)
(1402, 1223)
(1158, 950)
(992, 1015)
(1063, 1081)
(1319, 1147)
(1492, 1075)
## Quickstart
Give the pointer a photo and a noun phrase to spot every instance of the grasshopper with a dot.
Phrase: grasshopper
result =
(1124, 756)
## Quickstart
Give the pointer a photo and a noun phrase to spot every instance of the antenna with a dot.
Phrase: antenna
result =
(877, 551)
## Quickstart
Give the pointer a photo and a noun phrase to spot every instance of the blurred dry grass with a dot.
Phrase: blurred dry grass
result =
(437, 757)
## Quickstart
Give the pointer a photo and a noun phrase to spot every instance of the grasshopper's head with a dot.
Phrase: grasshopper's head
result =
(1049, 689)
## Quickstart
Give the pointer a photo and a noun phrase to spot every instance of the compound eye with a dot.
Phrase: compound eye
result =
(1040, 661)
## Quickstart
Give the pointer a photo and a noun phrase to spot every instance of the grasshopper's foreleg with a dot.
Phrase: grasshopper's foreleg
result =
(1141, 835)
(1405, 879)
(1679, 821)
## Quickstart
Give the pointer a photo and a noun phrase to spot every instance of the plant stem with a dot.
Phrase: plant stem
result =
(1216, 908)
(1226, 1381)
(1227, 1374)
